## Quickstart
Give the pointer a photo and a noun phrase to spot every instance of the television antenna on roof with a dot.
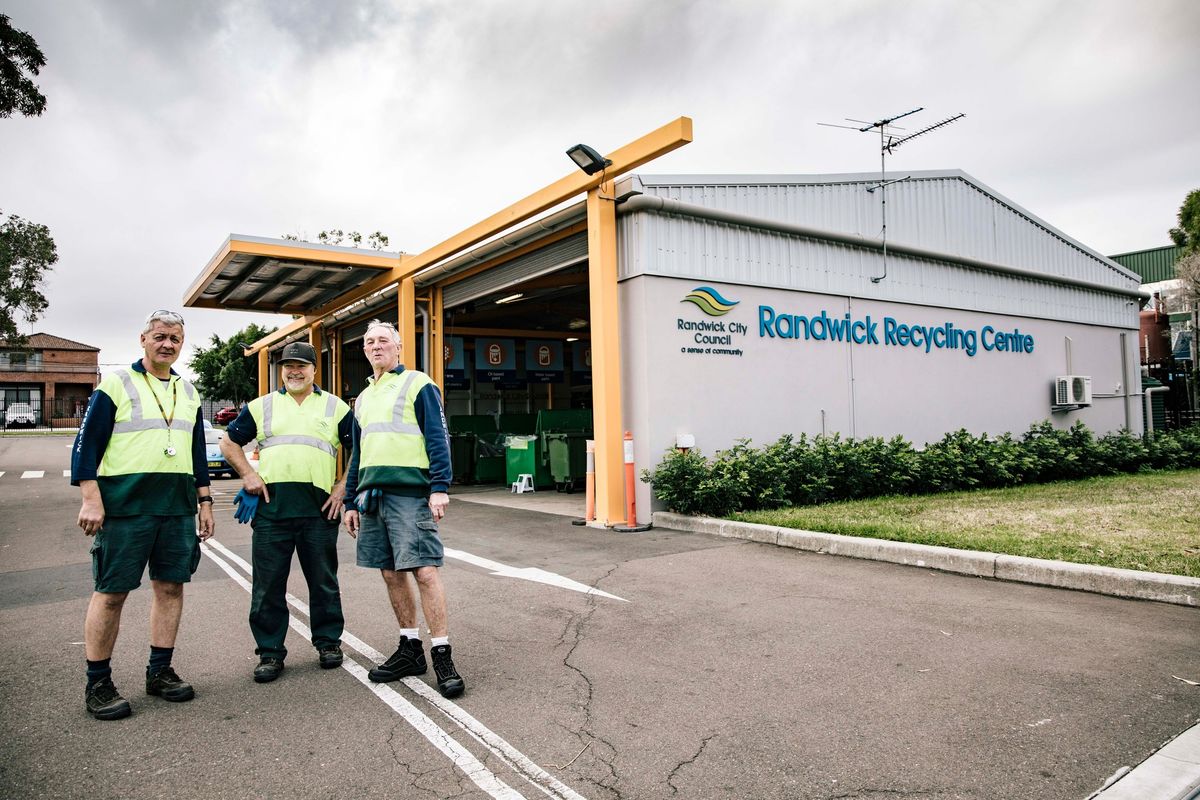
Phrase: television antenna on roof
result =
(890, 137)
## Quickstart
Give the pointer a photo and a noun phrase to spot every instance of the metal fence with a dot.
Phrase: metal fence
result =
(67, 413)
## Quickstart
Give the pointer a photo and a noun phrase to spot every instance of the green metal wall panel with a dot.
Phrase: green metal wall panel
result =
(1157, 264)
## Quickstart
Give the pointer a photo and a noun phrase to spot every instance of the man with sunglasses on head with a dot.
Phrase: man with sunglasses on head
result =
(396, 491)
(139, 460)
(293, 504)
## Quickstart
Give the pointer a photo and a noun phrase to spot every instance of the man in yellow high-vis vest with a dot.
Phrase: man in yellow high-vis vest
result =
(396, 491)
(297, 505)
(139, 460)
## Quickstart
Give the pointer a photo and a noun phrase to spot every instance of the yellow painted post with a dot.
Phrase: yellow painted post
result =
(606, 355)
(314, 339)
(437, 342)
(406, 307)
(335, 352)
(264, 374)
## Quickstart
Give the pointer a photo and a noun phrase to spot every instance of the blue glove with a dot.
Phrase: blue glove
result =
(246, 504)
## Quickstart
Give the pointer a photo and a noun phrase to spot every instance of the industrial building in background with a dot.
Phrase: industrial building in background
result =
(698, 310)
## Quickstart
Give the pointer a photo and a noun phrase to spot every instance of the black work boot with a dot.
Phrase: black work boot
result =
(409, 659)
(105, 702)
(449, 682)
(330, 656)
(169, 686)
(268, 669)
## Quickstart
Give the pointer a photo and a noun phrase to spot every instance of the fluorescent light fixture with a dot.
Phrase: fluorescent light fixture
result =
(511, 298)
(577, 324)
(588, 159)
(572, 338)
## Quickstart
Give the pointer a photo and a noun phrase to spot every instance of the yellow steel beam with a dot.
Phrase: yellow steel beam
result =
(669, 137)
(406, 309)
(606, 356)
(314, 339)
(437, 342)
(264, 374)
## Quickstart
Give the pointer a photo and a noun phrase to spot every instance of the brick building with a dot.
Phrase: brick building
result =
(52, 374)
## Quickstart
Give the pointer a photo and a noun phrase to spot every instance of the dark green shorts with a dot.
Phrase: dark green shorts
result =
(125, 545)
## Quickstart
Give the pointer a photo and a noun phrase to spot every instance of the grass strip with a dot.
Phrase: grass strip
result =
(1148, 521)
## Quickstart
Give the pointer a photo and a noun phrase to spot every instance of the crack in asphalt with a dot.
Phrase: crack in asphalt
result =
(571, 637)
(692, 760)
(867, 792)
(414, 775)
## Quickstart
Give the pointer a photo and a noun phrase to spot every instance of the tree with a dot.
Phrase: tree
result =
(19, 54)
(336, 236)
(26, 252)
(1187, 235)
(223, 372)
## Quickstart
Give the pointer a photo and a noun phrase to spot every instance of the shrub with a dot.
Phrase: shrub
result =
(825, 469)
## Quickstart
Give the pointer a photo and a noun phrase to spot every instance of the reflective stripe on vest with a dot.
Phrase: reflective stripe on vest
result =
(140, 433)
(269, 439)
(390, 435)
(291, 443)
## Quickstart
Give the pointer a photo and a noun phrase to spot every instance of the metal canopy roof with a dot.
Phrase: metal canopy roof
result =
(278, 276)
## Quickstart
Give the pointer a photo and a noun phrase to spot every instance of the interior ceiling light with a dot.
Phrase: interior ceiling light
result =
(511, 298)
(577, 324)
(572, 338)
(588, 159)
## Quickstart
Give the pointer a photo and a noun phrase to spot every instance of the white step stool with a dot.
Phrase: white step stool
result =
(523, 483)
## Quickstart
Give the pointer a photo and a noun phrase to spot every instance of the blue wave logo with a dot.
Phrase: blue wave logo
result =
(709, 300)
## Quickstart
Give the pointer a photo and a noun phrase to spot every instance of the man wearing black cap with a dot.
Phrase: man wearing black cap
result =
(293, 505)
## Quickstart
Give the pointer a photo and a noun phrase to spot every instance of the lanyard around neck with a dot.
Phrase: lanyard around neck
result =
(157, 402)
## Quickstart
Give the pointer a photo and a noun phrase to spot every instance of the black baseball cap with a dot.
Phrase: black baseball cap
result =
(299, 351)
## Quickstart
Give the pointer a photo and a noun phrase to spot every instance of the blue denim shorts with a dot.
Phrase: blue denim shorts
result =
(125, 545)
(401, 535)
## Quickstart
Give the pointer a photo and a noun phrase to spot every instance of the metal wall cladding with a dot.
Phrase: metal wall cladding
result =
(1157, 264)
(944, 212)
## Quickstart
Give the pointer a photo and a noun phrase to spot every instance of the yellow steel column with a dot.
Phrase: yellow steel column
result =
(264, 376)
(335, 352)
(606, 355)
(314, 339)
(437, 342)
(406, 306)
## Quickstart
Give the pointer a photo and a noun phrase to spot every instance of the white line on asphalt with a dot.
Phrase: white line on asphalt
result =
(33, 473)
(66, 473)
(1, 474)
(462, 758)
(528, 574)
(514, 758)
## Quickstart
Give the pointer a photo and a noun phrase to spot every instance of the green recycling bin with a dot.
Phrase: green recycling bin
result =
(523, 455)
(568, 459)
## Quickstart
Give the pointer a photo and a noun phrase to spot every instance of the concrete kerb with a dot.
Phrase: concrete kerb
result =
(1130, 583)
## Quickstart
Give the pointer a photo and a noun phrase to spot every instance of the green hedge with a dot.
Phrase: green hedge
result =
(803, 471)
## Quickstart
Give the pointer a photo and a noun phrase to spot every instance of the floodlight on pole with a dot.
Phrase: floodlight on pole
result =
(587, 159)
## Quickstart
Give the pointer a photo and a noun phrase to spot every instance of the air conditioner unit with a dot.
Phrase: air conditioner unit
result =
(1073, 390)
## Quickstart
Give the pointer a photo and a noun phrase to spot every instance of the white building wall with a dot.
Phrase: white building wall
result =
(774, 386)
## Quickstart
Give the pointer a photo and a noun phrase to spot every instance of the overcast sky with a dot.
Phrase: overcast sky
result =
(170, 125)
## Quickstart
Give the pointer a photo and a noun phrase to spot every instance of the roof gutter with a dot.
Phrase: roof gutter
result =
(664, 205)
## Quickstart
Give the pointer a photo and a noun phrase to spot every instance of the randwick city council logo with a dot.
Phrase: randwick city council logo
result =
(709, 300)
(710, 337)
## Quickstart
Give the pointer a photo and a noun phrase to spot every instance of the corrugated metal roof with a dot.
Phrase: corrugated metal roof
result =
(944, 211)
(1153, 265)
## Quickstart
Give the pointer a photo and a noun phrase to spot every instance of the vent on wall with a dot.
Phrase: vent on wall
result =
(1073, 390)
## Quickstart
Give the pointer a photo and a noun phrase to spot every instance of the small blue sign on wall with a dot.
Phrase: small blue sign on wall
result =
(543, 361)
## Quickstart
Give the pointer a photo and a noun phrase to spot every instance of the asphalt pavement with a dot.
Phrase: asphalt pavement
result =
(709, 668)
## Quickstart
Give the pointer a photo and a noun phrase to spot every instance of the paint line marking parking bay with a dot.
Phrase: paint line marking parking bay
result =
(462, 758)
(528, 574)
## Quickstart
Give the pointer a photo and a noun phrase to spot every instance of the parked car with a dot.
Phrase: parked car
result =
(20, 415)
(226, 415)
(217, 465)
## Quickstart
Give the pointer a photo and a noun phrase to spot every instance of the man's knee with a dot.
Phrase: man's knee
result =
(111, 602)
(168, 589)
(426, 576)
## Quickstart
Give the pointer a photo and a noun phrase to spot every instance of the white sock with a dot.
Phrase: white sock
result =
(438, 641)
(411, 633)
